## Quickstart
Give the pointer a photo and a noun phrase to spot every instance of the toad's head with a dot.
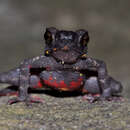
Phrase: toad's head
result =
(66, 46)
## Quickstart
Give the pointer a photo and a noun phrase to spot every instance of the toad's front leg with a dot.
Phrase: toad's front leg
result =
(104, 81)
(24, 84)
(25, 77)
(108, 85)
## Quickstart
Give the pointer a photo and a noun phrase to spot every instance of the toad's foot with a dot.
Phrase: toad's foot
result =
(27, 100)
(91, 97)
(116, 98)
(97, 97)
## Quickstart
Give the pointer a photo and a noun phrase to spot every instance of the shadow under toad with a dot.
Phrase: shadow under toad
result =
(13, 90)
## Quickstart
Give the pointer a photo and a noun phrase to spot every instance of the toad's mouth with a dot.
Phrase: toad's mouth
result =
(69, 57)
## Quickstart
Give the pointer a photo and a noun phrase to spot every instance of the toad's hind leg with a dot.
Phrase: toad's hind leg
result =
(93, 91)
(91, 86)
(11, 77)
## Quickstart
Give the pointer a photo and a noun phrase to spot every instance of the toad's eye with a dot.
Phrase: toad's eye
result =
(84, 39)
(48, 37)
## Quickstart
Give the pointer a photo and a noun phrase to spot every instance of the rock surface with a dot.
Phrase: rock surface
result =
(65, 113)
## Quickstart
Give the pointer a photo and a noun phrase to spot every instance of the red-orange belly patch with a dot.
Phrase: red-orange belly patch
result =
(61, 85)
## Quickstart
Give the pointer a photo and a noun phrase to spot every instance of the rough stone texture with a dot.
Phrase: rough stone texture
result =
(65, 113)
